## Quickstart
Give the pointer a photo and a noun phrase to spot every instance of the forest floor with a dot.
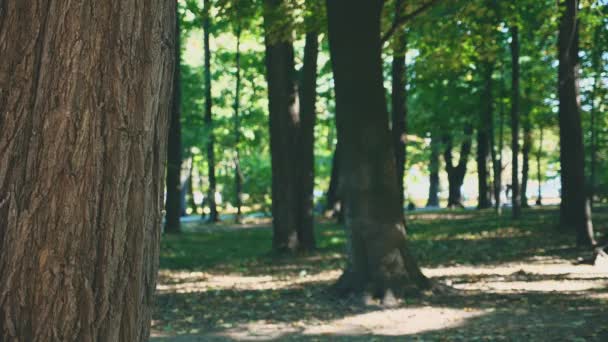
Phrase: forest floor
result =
(514, 281)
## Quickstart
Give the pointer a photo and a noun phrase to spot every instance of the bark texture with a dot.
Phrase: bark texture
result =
(573, 213)
(306, 142)
(284, 109)
(85, 91)
(173, 202)
(380, 260)
(213, 214)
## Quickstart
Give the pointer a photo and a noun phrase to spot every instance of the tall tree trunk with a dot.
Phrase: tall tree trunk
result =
(399, 100)
(539, 199)
(573, 213)
(190, 189)
(456, 173)
(174, 148)
(433, 200)
(498, 165)
(596, 59)
(380, 262)
(515, 197)
(283, 124)
(306, 168)
(525, 151)
(213, 214)
(483, 141)
(85, 103)
(238, 176)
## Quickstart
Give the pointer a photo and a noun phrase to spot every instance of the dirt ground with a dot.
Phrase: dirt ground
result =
(535, 294)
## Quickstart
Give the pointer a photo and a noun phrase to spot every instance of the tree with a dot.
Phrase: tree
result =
(574, 213)
(86, 103)
(483, 139)
(433, 200)
(213, 214)
(173, 204)
(284, 108)
(456, 172)
(380, 260)
(238, 175)
(515, 199)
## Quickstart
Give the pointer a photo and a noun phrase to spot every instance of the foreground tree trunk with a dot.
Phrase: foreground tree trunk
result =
(380, 263)
(515, 199)
(174, 150)
(433, 200)
(213, 214)
(483, 141)
(399, 100)
(85, 102)
(284, 111)
(456, 173)
(573, 210)
(306, 143)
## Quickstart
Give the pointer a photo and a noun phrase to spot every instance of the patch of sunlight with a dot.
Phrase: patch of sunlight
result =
(188, 282)
(395, 322)
(534, 286)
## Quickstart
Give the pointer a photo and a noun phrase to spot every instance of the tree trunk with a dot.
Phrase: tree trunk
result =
(283, 123)
(238, 176)
(456, 173)
(85, 103)
(334, 204)
(306, 168)
(190, 190)
(498, 164)
(573, 213)
(213, 214)
(399, 101)
(174, 148)
(515, 197)
(539, 199)
(433, 200)
(525, 151)
(381, 263)
(483, 141)
(596, 60)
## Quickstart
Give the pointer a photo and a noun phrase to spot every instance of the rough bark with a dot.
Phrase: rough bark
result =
(213, 214)
(483, 141)
(284, 119)
(85, 90)
(381, 262)
(399, 100)
(515, 194)
(573, 213)
(306, 142)
(433, 199)
(238, 176)
(174, 149)
(457, 172)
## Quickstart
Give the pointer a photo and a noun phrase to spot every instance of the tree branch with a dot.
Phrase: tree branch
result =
(398, 22)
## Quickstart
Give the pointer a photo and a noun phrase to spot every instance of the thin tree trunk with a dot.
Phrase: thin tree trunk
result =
(381, 263)
(213, 214)
(174, 148)
(85, 103)
(433, 200)
(333, 207)
(238, 176)
(525, 151)
(539, 199)
(283, 124)
(515, 194)
(597, 68)
(483, 141)
(497, 163)
(573, 210)
(399, 100)
(306, 168)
